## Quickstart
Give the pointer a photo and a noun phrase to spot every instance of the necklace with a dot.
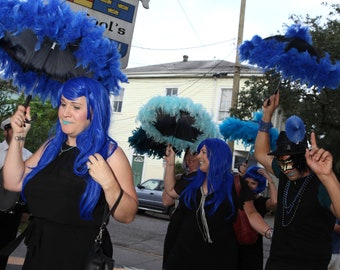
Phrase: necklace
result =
(294, 205)
(66, 149)
(200, 215)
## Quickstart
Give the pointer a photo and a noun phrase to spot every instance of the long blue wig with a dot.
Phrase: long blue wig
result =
(94, 139)
(252, 172)
(220, 177)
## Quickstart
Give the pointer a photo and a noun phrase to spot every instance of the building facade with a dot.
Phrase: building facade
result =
(209, 83)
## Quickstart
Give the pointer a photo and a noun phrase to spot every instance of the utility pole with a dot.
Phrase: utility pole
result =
(236, 80)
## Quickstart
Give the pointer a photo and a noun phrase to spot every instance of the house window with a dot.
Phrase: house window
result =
(118, 101)
(225, 104)
(171, 91)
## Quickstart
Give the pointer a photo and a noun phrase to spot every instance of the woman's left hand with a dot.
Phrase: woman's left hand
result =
(100, 170)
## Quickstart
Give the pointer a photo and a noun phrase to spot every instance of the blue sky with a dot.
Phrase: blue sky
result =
(207, 30)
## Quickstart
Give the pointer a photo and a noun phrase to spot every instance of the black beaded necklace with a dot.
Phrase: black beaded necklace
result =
(289, 210)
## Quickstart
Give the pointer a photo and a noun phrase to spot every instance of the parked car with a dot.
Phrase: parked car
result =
(149, 195)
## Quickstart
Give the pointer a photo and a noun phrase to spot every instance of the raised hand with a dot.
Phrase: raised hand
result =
(318, 159)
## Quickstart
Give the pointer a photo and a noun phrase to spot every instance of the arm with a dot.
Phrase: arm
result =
(15, 168)
(167, 199)
(262, 142)
(113, 175)
(320, 162)
(255, 219)
(337, 228)
(272, 201)
(169, 174)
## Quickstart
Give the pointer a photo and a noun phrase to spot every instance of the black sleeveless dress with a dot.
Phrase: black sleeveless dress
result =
(58, 238)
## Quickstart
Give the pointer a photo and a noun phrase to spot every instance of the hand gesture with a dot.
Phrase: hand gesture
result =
(19, 123)
(269, 106)
(264, 172)
(169, 155)
(319, 160)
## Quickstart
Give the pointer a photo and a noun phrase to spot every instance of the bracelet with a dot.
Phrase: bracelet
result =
(19, 138)
(265, 126)
(113, 209)
(170, 164)
(269, 233)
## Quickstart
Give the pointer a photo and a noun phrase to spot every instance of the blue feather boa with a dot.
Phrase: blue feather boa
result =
(55, 19)
(172, 105)
(271, 53)
(233, 129)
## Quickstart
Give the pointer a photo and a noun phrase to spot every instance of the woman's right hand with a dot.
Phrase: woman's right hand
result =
(18, 121)
(169, 155)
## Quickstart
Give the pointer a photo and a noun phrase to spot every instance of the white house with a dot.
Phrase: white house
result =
(209, 83)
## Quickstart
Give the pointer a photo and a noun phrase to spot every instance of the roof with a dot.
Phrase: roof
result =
(218, 68)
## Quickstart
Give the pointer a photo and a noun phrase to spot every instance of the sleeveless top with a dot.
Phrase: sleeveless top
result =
(303, 235)
(58, 238)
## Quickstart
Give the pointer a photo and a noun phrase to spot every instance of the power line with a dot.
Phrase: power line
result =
(185, 48)
(189, 21)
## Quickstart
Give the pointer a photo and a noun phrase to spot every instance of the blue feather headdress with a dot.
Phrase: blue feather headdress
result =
(294, 56)
(233, 129)
(177, 121)
(54, 19)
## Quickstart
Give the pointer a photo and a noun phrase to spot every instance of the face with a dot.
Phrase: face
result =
(203, 159)
(72, 116)
(8, 133)
(191, 161)
(252, 184)
(242, 169)
(286, 164)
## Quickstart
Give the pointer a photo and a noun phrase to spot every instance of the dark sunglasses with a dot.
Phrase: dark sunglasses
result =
(7, 127)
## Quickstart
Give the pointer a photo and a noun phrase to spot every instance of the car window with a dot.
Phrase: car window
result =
(151, 184)
(160, 186)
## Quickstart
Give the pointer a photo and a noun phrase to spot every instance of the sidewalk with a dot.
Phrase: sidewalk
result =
(126, 258)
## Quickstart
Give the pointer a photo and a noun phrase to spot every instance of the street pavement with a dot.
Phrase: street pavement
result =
(125, 257)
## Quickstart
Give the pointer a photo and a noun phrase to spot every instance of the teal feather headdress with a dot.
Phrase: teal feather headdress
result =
(176, 121)
(233, 129)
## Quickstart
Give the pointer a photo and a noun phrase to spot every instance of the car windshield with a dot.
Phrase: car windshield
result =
(153, 184)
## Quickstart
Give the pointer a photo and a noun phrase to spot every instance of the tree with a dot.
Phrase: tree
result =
(46, 115)
(320, 110)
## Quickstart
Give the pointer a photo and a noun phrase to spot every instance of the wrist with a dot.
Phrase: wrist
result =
(19, 138)
(269, 233)
(265, 126)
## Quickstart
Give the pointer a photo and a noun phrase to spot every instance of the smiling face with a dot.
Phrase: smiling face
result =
(203, 159)
(72, 116)
(191, 161)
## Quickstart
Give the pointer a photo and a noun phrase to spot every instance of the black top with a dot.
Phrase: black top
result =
(190, 250)
(58, 237)
(303, 232)
(251, 256)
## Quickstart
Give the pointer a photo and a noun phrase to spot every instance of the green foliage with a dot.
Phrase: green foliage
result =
(46, 115)
(320, 110)
(178, 168)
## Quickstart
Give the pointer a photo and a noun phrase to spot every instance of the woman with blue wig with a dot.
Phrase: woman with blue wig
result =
(254, 182)
(205, 238)
(72, 179)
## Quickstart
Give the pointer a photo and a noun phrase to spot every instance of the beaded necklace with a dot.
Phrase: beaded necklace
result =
(294, 205)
